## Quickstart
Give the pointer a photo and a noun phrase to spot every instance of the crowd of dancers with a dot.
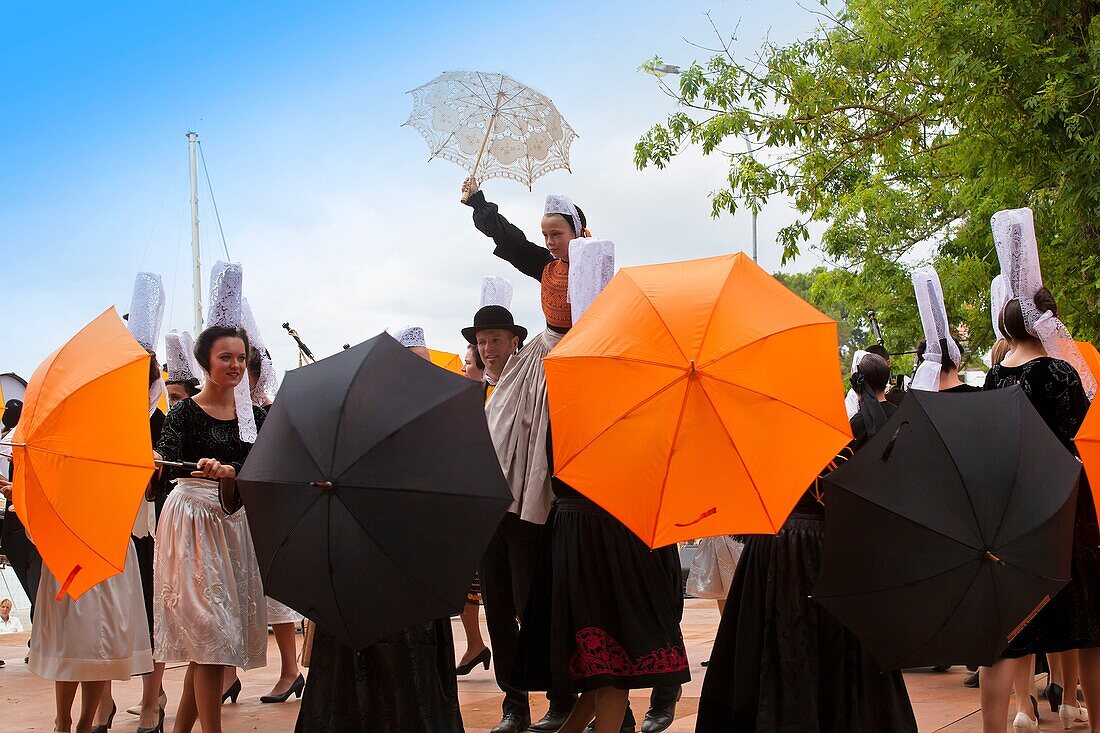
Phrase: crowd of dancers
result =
(576, 606)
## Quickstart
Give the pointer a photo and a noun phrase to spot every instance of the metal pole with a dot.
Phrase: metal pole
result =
(196, 274)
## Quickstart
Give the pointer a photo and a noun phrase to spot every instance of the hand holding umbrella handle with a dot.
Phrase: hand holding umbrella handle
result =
(470, 186)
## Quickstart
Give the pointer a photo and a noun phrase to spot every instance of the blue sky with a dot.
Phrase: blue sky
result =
(343, 227)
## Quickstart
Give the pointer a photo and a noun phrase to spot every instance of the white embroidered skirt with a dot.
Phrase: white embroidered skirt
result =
(277, 613)
(103, 635)
(208, 602)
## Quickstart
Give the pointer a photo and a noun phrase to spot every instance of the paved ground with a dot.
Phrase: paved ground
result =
(26, 702)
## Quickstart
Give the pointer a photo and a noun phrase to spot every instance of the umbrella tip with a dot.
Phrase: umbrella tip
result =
(326, 485)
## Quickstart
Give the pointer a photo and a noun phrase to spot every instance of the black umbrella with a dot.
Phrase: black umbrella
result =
(373, 491)
(949, 529)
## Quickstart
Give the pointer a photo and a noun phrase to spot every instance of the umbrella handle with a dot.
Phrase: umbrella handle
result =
(177, 464)
(484, 141)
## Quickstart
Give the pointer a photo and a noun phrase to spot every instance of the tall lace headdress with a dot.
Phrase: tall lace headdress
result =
(226, 310)
(1018, 252)
(591, 267)
(496, 291)
(144, 321)
(937, 337)
(998, 297)
(557, 204)
(182, 365)
(410, 337)
(268, 384)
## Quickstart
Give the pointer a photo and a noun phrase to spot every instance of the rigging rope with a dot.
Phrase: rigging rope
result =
(210, 188)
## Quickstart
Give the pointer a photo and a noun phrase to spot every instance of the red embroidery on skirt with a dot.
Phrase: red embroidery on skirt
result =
(597, 653)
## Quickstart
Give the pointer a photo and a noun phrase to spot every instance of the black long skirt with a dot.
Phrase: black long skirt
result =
(604, 610)
(1071, 620)
(410, 685)
(781, 663)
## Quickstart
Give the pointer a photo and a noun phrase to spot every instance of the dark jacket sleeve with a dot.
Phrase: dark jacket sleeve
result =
(169, 443)
(512, 244)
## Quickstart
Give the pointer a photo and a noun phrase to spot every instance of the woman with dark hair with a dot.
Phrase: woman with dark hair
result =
(1071, 621)
(209, 609)
(282, 619)
(781, 663)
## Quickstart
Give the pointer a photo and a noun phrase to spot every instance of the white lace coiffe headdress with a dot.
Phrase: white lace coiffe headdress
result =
(182, 366)
(937, 337)
(851, 399)
(998, 297)
(410, 336)
(591, 267)
(268, 384)
(146, 310)
(556, 204)
(1018, 252)
(144, 321)
(226, 286)
(496, 291)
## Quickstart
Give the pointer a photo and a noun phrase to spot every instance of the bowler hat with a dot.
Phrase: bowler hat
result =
(493, 317)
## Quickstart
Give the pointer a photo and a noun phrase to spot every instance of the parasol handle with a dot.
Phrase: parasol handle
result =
(477, 161)
(178, 464)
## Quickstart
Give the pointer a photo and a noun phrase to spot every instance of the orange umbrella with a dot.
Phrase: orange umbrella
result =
(1088, 436)
(83, 454)
(446, 360)
(695, 399)
(1091, 356)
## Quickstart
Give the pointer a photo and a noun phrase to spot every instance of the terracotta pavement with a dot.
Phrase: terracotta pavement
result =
(26, 702)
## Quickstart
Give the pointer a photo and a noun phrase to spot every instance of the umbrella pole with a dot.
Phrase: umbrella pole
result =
(477, 161)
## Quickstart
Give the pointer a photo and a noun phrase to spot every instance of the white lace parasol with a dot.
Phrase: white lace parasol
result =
(491, 125)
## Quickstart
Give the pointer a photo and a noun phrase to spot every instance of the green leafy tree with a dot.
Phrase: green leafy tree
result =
(903, 125)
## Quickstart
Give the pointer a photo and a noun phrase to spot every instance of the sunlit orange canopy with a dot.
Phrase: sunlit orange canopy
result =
(1088, 436)
(695, 399)
(1092, 358)
(446, 360)
(83, 454)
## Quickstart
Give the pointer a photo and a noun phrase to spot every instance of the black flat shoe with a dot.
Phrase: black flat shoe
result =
(159, 727)
(483, 659)
(110, 721)
(971, 681)
(233, 692)
(1054, 696)
(295, 689)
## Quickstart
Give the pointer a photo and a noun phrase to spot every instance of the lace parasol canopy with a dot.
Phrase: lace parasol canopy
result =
(491, 125)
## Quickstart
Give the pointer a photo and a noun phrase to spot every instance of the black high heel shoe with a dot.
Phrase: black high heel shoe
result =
(110, 721)
(295, 689)
(159, 727)
(1054, 696)
(233, 692)
(482, 659)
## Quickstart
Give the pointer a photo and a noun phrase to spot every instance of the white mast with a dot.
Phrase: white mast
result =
(196, 275)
